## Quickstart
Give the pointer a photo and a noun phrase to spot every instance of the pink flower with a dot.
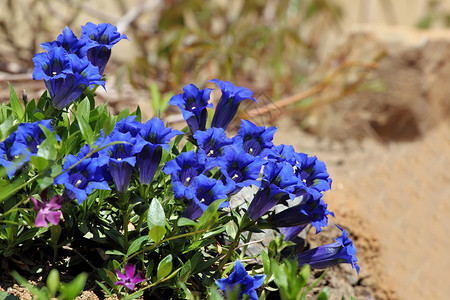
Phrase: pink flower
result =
(47, 211)
(129, 280)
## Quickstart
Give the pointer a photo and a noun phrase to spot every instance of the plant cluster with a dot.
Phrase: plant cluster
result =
(148, 209)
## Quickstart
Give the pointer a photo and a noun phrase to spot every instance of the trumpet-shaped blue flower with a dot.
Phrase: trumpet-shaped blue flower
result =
(183, 169)
(312, 211)
(284, 153)
(151, 140)
(239, 169)
(87, 176)
(229, 102)
(205, 191)
(193, 103)
(66, 76)
(278, 184)
(69, 41)
(255, 140)
(129, 124)
(7, 160)
(240, 279)
(212, 142)
(120, 159)
(312, 172)
(290, 233)
(28, 137)
(102, 38)
(322, 257)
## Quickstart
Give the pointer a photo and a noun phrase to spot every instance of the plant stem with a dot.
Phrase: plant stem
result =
(155, 245)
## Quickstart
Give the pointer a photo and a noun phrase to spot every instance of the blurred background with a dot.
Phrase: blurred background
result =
(362, 84)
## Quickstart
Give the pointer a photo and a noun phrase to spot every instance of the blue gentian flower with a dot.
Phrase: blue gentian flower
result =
(284, 153)
(255, 140)
(205, 191)
(278, 184)
(28, 138)
(7, 160)
(211, 143)
(322, 257)
(129, 124)
(102, 37)
(69, 41)
(229, 102)
(290, 233)
(151, 140)
(313, 172)
(183, 169)
(193, 103)
(239, 169)
(240, 279)
(87, 176)
(120, 159)
(66, 76)
(312, 211)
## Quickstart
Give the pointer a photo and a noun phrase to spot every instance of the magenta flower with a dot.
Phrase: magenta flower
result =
(47, 211)
(129, 280)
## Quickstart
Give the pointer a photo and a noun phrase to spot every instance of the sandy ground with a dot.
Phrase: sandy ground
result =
(394, 201)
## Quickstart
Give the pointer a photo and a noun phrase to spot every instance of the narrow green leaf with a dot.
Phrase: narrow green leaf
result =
(164, 267)
(266, 261)
(210, 214)
(15, 103)
(136, 245)
(86, 130)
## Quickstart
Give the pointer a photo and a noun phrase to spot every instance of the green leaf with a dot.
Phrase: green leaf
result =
(39, 163)
(105, 289)
(50, 135)
(136, 245)
(86, 130)
(40, 294)
(164, 267)
(266, 261)
(156, 221)
(304, 274)
(53, 283)
(45, 182)
(186, 222)
(27, 235)
(73, 289)
(15, 103)
(123, 114)
(324, 294)
(186, 271)
(47, 150)
(84, 108)
(279, 271)
(210, 215)
(5, 296)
